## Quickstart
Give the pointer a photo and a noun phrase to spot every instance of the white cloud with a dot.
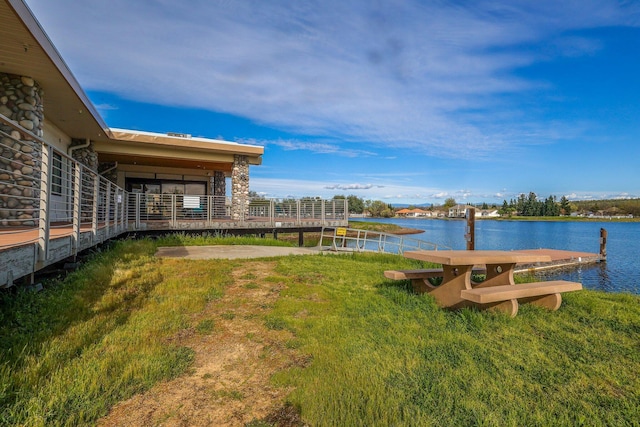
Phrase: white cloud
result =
(314, 147)
(441, 195)
(406, 75)
(351, 187)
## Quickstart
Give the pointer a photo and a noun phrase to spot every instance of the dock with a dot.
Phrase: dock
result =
(559, 259)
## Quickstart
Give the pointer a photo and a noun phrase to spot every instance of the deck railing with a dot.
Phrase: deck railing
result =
(45, 193)
(52, 207)
(356, 240)
(178, 211)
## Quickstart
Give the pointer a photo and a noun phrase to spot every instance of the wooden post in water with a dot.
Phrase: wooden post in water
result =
(603, 244)
(471, 229)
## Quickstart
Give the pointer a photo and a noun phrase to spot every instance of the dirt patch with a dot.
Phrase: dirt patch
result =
(229, 382)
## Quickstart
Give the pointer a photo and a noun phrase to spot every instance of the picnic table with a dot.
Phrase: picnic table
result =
(497, 291)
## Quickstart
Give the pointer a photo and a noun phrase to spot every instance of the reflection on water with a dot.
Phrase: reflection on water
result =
(618, 274)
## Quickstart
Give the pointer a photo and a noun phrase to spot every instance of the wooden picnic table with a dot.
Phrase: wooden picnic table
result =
(497, 291)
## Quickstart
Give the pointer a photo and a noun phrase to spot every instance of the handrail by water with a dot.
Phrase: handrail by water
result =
(357, 240)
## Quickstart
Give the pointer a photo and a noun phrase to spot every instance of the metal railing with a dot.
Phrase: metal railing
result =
(355, 240)
(45, 195)
(52, 207)
(299, 211)
(178, 211)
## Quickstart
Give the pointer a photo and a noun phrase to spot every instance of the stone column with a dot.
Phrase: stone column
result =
(240, 187)
(219, 193)
(86, 155)
(20, 101)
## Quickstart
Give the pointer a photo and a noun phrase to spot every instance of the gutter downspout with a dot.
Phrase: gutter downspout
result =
(70, 150)
(110, 169)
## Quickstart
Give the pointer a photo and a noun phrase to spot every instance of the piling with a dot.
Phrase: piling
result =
(471, 229)
(603, 244)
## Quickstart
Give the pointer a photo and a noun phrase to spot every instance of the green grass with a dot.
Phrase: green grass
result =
(70, 352)
(374, 226)
(383, 356)
(374, 353)
(183, 239)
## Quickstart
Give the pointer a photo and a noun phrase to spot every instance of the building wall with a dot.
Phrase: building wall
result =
(20, 156)
(54, 136)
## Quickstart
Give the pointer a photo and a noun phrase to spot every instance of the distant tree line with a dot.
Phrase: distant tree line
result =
(531, 206)
(524, 205)
(609, 207)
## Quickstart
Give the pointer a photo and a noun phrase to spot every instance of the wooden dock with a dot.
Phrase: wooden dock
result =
(559, 259)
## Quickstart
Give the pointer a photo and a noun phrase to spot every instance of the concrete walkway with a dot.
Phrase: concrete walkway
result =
(231, 252)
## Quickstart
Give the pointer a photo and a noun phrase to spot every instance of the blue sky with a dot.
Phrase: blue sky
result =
(405, 101)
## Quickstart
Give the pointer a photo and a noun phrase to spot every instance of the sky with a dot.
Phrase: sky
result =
(404, 101)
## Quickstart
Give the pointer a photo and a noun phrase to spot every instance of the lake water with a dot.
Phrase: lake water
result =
(618, 274)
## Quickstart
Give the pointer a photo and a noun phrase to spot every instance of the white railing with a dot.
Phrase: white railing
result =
(177, 211)
(44, 194)
(299, 211)
(52, 207)
(355, 240)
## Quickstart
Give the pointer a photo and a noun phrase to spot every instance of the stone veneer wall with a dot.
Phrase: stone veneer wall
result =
(219, 185)
(87, 155)
(239, 187)
(20, 158)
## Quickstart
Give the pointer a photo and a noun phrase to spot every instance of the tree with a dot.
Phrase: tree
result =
(376, 207)
(449, 203)
(356, 204)
(565, 206)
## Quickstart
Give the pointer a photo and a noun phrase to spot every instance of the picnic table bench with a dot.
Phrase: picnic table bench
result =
(497, 292)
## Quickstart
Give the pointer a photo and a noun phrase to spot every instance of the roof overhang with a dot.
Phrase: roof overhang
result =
(153, 149)
(26, 50)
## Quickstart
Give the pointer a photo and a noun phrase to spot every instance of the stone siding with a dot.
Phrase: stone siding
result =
(86, 155)
(219, 193)
(20, 156)
(240, 187)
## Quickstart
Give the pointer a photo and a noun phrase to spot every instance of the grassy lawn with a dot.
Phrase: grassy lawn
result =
(377, 354)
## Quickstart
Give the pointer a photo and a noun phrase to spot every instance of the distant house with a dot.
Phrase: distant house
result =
(459, 211)
(413, 213)
(416, 213)
(487, 213)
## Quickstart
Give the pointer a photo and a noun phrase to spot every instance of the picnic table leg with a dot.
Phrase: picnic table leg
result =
(497, 275)
(421, 286)
(454, 280)
(551, 302)
(509, 307)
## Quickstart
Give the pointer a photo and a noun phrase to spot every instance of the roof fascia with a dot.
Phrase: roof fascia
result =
(33, 26)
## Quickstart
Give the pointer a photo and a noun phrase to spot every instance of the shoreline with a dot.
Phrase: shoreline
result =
(516, 218)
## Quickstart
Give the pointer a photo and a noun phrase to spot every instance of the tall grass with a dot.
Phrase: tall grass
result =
(384, 356)
(186, 239)
(103, 334)
(374, 353)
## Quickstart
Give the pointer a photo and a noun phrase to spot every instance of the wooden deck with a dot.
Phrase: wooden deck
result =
(22, 253)
(15, 237)
(19, 248)
(559, 259)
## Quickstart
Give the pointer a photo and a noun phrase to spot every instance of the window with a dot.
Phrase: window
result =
(56, 175)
